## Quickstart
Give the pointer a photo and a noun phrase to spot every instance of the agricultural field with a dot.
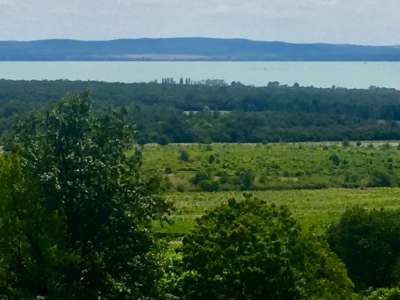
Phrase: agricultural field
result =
(281, 166)
(317, 181)
(315, 209)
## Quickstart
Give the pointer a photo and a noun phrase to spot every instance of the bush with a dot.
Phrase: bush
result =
(200, 176)
(212, 158)
(205, 182)
(251, 250)
(245, 179)
(380, 178)
(334, 158)
(183, 155)
(209, 186)
(368, 242)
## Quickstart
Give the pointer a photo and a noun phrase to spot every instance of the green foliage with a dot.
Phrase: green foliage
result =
(312, 208)
(334, 159)
(245, 179)
(185, 113)
(251, 250)
(31, 237)
(384, 294)
(173, 274)
(204, 181)
(234, 167)
(183, 155)
(380, 178)
(345, 143)
(81, 210)
(368, 242)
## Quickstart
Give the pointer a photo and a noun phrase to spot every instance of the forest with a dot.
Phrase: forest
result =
(90, 211)
(212, 111)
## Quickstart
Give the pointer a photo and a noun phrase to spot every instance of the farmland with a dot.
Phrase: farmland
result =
(317, 181)
(315, 209)
(232, 167)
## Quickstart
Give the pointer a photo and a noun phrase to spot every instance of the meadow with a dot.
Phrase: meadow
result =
(317, 181)
(280, 166)
(315, 209)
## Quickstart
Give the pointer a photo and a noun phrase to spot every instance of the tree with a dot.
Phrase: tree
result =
(251, 250)
(380, 178)
(90, 212)
(183, 155)
(334, 158)
(30, 235)
(245, 179)
(368, 243)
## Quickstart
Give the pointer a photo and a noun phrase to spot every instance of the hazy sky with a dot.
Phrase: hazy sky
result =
(339, 21)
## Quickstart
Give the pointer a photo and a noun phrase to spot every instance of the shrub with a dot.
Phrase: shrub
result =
(245, 179)
(334, 158)
(200, 176)
(211, 158)
(379, 178)
(183, 155)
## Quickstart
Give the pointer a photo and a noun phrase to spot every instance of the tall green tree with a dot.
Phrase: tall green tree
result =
(368, 242)
(90, 193)
(252, 250)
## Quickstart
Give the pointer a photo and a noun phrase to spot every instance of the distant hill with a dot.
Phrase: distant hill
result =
(190, 49)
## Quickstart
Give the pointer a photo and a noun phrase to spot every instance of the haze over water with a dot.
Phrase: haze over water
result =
(319, 74)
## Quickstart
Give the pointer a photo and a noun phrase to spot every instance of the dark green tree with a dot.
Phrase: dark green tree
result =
(368, 242)
(251, 250)
(183, 155)
(31, 237)
(84, 229)
(245, 179)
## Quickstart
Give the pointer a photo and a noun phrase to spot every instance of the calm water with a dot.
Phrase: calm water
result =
(321, 74)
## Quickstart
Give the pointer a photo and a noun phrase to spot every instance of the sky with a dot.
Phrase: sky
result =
(374, 22)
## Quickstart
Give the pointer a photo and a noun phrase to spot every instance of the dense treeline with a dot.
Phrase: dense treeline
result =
(76, 217)
(186, 112)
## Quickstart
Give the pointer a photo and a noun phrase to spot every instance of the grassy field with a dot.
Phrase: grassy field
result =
(231, 167)
(313, 208)
(317, 181)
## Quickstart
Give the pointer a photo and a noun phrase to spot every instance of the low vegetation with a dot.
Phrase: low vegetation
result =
(313, 208)
(233, 167)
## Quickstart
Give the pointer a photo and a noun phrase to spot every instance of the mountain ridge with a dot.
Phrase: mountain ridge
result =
(190, 48)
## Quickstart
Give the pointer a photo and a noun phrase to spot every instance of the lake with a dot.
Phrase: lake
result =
(320, 74)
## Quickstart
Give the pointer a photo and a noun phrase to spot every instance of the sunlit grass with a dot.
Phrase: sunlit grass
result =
(313, 208)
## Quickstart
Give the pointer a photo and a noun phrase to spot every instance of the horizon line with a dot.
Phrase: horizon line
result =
(196, 37)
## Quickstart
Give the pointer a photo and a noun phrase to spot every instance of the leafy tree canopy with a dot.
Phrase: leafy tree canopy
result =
(251, 250)
(368, 243)
(75, 211)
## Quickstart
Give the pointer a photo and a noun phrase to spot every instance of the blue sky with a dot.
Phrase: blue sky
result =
(337, 21)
